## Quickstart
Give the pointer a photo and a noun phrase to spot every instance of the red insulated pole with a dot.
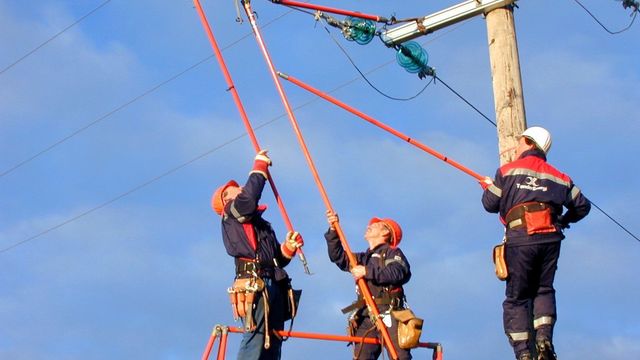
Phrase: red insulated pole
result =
(222, 350)
(364, 289)
(382, 126)
(245, 120)
(331, 10)
(212, 339)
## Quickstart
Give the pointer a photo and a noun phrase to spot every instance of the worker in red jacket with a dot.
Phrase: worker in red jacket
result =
(385, 269)
(259, 295)
(529, 195)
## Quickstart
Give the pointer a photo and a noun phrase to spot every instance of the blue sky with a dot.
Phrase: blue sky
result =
(144, 277)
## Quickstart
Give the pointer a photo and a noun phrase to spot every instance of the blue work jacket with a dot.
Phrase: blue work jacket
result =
(531, 179)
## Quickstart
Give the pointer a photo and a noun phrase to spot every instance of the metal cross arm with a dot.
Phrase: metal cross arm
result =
(441, 19)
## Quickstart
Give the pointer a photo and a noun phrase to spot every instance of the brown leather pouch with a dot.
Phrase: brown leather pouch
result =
(242, 295)
(499, 261)
(539, 222)
(409, 328)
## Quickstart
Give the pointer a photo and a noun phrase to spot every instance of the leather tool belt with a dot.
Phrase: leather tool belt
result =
(536, 217)
(242, 295)
(395, 301)
(246, 268)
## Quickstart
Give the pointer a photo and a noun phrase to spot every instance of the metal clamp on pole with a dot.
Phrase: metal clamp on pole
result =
(440, 19)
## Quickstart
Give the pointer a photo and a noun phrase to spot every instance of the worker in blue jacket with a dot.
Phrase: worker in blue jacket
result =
(259, 261)
(530, 196)
(385, 269)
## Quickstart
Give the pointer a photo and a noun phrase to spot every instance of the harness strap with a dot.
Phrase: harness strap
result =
(267, 333)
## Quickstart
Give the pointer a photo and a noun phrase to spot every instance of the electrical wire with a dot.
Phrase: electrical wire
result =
(53, 37)
(228, 142)
(614, 220)
(166, 173)
(367, 80)
(434, 76)
(465, 100)
(635, 13)
(127, 103)
(124, 194)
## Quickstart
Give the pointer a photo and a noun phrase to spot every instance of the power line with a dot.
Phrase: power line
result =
(614, 220)
(635, 13)
(127, 103)
(411, 97)
(166, 173)
(126, 193)
(53, 37)
(465, 100)
(367, 80)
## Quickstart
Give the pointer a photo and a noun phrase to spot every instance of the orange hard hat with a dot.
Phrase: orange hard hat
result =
(394, 229)
(216, 200)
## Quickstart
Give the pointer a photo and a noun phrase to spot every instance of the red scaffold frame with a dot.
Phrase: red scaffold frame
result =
(220, 331)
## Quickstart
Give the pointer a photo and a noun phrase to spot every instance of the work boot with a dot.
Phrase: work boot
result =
(545, 350)
(525, 356)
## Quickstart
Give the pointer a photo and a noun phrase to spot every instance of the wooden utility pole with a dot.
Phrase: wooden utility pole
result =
(503, 53)
(507, 82)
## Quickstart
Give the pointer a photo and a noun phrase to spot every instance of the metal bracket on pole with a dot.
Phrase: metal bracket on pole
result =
(441, 19)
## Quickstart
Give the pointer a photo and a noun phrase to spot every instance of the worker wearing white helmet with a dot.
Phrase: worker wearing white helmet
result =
(530, 195)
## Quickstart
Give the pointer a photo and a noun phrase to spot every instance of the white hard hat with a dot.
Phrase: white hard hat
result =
(540, 136)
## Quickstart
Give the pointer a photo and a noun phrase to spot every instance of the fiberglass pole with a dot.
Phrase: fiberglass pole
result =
(362, 285)
(356, 14)
(382, 126)
(247, 123)
(214, 334)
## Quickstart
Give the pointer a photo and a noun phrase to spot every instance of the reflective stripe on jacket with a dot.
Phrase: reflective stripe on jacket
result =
(531, 178)
(244, 210)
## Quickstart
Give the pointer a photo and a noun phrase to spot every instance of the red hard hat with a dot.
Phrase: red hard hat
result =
(216, 200)
(394, 228)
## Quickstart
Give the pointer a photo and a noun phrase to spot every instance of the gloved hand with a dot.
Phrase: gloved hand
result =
(293, 241)
(563, 223)
(485, 183)
(261, 164)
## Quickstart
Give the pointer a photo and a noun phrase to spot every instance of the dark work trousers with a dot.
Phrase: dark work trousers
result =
(252, 345)
(372, 351)
(532, 269)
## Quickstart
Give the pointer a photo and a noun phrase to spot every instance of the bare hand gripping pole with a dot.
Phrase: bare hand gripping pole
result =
(362, 285)
(245, 120)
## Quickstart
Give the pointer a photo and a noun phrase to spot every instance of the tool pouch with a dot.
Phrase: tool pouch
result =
(499, 261)
(409, 328)
(293, 300)
(539, 222)
(242, 295)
